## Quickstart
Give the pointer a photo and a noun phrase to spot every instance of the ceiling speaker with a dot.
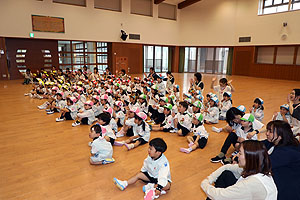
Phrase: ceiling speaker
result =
(123, 35)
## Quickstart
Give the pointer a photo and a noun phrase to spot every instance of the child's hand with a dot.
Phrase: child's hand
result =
(276, 114)
(229, 82)
(250, 135)
(250, 109)
(173, 114)
(214, 79)
(157, 192)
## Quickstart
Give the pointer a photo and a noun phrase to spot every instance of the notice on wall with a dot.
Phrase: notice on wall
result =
(48, 24)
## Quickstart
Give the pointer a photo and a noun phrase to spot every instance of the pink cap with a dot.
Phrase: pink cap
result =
(73, 99)
(104, 96)
(55, 88)
(89, 103)
(142, 115)
(109, 110)
(96, 97)
(109, 91)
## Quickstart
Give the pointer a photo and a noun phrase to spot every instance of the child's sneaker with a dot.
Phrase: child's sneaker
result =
(226, 161)
(150, 194)
(129, 146)
(50, 112)
(76, 124)
(107, 161)
(148, 187)
(217, 159)
(120, 184)
(119, 143)
(215, 129)
(191, 144)
(60, 119)
(184, 150)
(175, 130)
(120, 134)
(42, 107)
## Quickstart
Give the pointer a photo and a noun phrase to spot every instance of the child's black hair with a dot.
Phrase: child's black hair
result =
(226, 95)
(105, 117)
(224, 81)
(297, 92)
(69, 100)
(97, 129)
(184, 104)
(231, 113)
(260, 106)
(159, 144)
(59, 94)
(140, 119)
(215, 104)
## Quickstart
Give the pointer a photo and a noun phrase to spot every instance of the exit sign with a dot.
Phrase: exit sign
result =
(31, 35)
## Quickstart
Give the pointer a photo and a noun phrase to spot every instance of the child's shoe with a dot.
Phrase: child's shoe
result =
(218, 158)
(150, 194)
(119, 143)
(215, 129)
(42, 107)
(107, 161)
(175, 130)
(120, 134)
(77, 123)
(60, 119)
(226, 161)
(120, 184)
(184, 150)
(148, 187)
(50, 112)
(129, 146)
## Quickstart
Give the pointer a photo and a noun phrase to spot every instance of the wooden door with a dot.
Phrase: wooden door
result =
(122, 63)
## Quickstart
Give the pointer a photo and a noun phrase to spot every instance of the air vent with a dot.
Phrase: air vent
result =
(134, 36)
(244, 39)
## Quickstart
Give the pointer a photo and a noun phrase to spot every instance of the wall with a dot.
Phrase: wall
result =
(244, 64)
(219, 23)
(3, 61)
(86, 23)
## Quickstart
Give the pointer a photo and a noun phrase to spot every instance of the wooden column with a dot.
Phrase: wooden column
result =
(175, 60)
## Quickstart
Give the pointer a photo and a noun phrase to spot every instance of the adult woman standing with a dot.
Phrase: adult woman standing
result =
(285, 159)
(250, 179)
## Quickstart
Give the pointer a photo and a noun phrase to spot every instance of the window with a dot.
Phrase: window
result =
(47, 58)
(167, 11)
(114, 5)
(76, 54)
(265, 55)
(72, 2)
(141, 7)
(20, 60)
(157, 57)
(206, 60)
(285, 55)
(276, 6)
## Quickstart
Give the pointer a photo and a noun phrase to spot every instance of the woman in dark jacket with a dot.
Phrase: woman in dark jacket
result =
(284, 151)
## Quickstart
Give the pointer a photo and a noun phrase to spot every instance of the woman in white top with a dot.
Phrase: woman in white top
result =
(250, 179)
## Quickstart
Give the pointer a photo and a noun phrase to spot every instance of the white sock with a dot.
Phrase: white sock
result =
(220, 129)
(190, 149)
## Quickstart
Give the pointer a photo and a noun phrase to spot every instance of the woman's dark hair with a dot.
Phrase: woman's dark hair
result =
(282, 129)
(198, 76)
(105, 117)
(97, 129)
(231, 113)
(159, 144)
(224, 81)
(297, 92)
(96, 68)
(256, 158)
(257, 100)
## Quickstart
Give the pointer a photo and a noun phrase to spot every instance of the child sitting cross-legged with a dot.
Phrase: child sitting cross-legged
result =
(168, 123)
(155, 171)
(141, 132)
(199, 139)
(102, 150)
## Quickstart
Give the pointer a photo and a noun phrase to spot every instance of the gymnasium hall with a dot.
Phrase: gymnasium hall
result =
(96, 48)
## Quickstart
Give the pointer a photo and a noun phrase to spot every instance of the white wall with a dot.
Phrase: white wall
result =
(86, 23)
(206, 23)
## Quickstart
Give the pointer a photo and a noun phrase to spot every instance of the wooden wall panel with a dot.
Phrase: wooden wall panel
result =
(3, 61)
(244, 64)
(134, 53)
(34, 59)
(175, 59)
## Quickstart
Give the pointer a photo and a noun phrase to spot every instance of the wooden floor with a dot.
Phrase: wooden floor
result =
(43, 159)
